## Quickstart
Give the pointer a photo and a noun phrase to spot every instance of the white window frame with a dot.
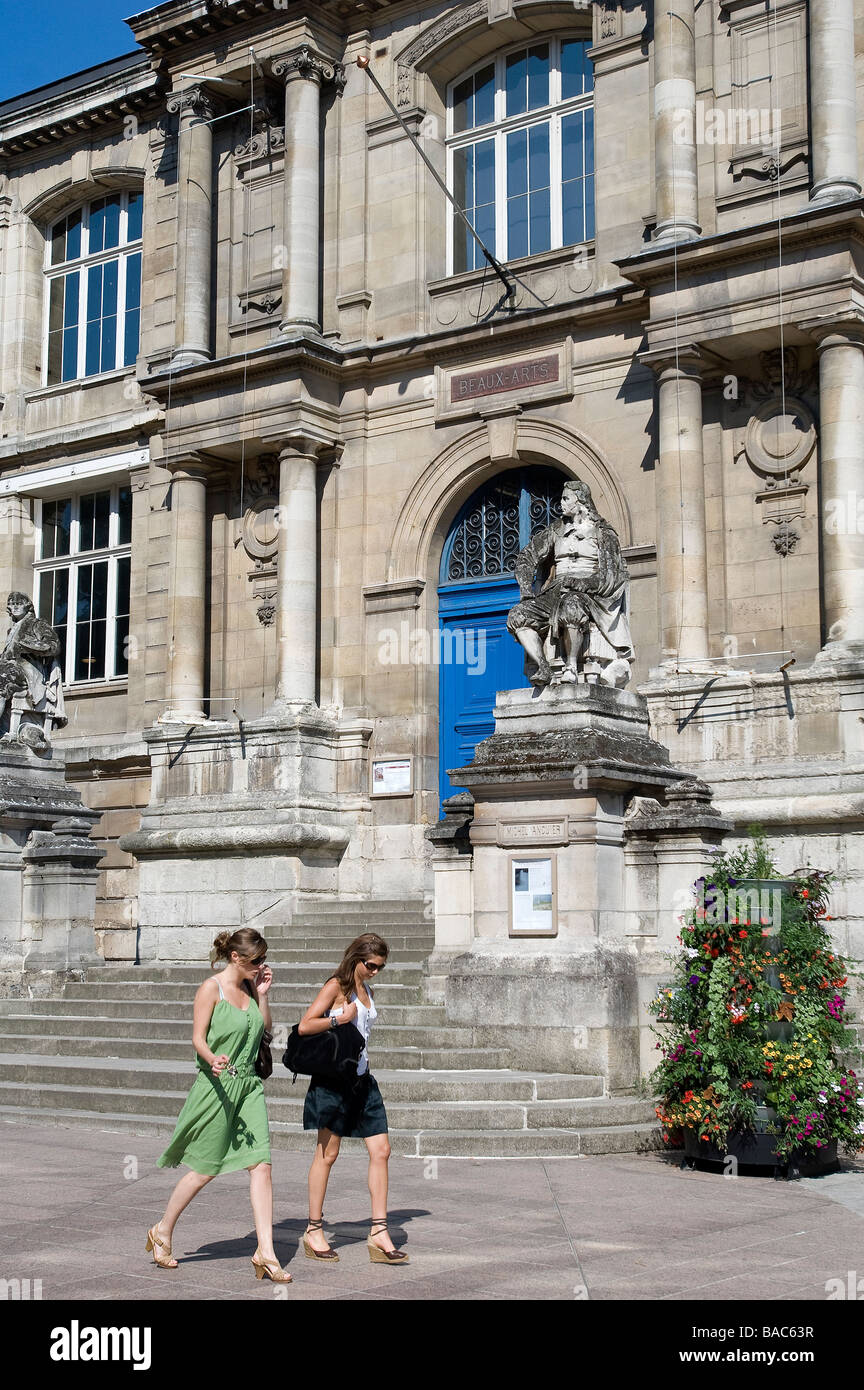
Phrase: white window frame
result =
(501, 126)
(72, 562)
(121, 253)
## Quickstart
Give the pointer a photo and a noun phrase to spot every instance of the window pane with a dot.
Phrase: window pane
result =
(517, 163)
(516, 83)
(134, 216)
(541, 222)
(538, 76)
(485, 224)
(124, 516)
(56, 527)
(54, 606)
(121, 662)
(100, 590)
(589, 207)
(463, 101)
(58, 243)
(538, 150)
(571, 146)
(55, 329)
(70, 329)
(93, 515)
(133, 281)
(91, 625)
(577, 72)
(97, 225)
(94, 313)
(589, 142)
(484, 96)
(109, 344)
(517, 227)
(131, 336)
(484, 174)
(73, 235)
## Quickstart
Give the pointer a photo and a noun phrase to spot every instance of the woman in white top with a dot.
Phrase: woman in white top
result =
(354, 1111)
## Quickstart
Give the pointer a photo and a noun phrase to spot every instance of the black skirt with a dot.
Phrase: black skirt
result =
(355, 1111)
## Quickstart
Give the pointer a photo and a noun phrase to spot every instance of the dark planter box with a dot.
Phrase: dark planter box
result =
(757, 1151)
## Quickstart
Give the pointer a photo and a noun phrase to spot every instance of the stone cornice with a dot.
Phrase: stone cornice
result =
(167, 28)
(75, 113)
(800, 230)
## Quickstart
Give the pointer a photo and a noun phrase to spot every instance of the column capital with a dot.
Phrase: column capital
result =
(846, 330)
(307, 63)
(685, 363)
(300, 444)
(197, 102)
(189, 465)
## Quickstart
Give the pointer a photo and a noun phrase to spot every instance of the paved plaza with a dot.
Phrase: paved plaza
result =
(601, 1228)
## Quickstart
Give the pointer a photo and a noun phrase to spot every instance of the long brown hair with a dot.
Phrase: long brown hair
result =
(360, 950)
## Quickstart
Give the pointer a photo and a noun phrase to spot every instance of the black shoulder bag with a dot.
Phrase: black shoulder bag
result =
(334, 1053)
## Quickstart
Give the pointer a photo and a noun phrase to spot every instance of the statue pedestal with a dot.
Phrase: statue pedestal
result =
(243, 819)
(48, 873)
(583, 841)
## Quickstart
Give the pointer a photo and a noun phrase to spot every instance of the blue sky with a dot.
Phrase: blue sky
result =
(48, 39)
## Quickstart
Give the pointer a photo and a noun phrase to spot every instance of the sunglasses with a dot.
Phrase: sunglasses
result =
(373, 965)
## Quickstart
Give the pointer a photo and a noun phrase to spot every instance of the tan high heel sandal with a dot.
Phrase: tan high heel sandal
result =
(153, 1240)
(328, 1256)
(267, 1267)
(383, 1257)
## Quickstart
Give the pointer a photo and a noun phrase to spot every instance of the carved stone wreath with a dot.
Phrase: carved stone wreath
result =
(780, 440)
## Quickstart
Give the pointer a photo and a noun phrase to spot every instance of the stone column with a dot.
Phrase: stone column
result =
(675, 122)
(187, 599)
(303, 72)
(841, 405)
(833, 106)
(297, 573)
(682, 570)
(194, 224)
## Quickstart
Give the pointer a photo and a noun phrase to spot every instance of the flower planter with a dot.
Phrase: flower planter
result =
(756, 1150)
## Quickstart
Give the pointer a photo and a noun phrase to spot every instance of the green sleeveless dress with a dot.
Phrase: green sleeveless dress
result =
(223, 1124)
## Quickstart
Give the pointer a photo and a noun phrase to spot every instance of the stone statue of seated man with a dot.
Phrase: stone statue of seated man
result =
(31, 678)
(577, 627)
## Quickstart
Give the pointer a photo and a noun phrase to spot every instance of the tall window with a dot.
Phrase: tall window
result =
(82, 580)
(94, 288)
(521, 153)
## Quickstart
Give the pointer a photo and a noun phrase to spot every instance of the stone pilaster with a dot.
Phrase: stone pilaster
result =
(303, 72)
(682, 569)
(187, 606)
(675, 169)
(841, 408)
(297, 572)
(833, 106)
(194, 105)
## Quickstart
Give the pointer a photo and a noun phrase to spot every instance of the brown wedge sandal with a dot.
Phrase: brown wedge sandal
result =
(383, 1257)
(328, 1256)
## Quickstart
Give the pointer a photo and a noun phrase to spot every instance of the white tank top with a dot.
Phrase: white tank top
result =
(364, 1020)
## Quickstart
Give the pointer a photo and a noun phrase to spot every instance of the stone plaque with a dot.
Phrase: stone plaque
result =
(507, 376)
(462, 392)
(535, 832)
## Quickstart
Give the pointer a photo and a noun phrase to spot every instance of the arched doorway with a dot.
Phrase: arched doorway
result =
(476, 591)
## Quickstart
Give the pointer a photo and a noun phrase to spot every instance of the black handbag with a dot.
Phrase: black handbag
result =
(334, 1053)
(263, 1063)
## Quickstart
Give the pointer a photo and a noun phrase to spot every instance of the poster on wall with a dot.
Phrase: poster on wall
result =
(391, 777)
(532, 897)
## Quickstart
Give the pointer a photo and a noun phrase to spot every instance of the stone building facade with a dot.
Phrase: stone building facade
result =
(272, 431)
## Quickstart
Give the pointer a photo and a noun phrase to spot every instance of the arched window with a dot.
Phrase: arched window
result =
(94, 288)
(521, 152)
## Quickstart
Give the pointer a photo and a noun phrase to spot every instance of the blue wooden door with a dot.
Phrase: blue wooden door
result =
(478, 655)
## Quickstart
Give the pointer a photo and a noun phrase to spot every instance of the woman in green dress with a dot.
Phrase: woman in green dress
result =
(223, 1124)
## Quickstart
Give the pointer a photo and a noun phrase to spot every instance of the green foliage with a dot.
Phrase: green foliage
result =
(756, 1012)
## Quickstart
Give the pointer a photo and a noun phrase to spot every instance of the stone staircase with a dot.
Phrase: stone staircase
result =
(114, 1053)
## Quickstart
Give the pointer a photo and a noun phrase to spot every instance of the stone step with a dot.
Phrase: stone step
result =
(425, 1144)
(333, 947)
(73, 1093)
(171, 994)
(404, 1086)
(164, 1024)
(316, 909)
(134, 1007)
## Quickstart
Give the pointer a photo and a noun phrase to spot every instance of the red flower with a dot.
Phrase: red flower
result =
(742, 934)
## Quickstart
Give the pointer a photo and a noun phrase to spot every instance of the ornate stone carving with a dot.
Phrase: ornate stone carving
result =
(785, 539)
(305, 62)
(267, 136)
(31, 678)
(460, 18)
(197, 100)
(576, 629)
(258, 501)
(781, 434)
(609, 19)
